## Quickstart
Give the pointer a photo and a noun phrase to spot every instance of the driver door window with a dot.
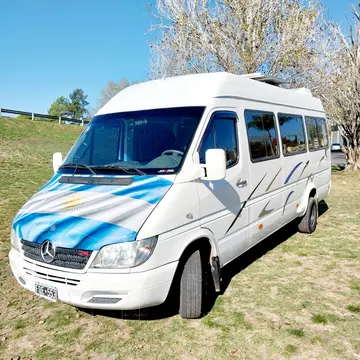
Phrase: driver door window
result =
(221, 134)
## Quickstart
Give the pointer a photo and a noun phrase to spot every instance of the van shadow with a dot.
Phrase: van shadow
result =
(224, 192)
(170, 307)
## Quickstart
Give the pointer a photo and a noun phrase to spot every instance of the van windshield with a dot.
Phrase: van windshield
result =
(139, 142)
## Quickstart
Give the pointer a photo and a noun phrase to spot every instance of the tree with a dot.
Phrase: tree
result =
(109, 91)
(340, 89)
(60, 107)
(74, 107)
(238, 36)
(78, 103)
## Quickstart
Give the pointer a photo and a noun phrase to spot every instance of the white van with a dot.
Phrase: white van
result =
(172, 177)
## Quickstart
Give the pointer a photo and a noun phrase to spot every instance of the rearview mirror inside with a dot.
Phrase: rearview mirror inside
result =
(215, 164)
(57, 161)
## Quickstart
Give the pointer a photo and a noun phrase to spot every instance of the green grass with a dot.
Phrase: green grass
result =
(355, 284)
(20, 324)
(296, 332)
(299, 300)
(60, 318)
(68, 337)
(354, 308)
(324, 318)
(290, 349)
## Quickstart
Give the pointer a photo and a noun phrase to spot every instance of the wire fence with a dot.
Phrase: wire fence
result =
(37, 116)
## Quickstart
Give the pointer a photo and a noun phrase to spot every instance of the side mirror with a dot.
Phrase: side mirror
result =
(215, 164)
(57, 161)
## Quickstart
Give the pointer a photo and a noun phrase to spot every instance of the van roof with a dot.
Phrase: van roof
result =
(200, 89)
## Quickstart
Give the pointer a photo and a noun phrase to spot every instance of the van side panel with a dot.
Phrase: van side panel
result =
(282, 183)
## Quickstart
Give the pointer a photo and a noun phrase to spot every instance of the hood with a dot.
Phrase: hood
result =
(88, 212)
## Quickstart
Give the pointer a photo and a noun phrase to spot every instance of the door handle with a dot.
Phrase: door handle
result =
(241, 183)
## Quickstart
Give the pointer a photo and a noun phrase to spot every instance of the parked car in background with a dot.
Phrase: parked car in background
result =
(336, 147)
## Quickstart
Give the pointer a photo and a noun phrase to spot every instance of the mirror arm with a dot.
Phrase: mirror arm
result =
(203, 167)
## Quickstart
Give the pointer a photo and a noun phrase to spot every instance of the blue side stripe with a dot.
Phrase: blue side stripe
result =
(292, 172)
(70, 231)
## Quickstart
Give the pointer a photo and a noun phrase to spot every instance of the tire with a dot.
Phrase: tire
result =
(308, 222)
(192, 287)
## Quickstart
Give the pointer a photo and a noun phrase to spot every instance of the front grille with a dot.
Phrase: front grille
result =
(52, 278)
(64, 257)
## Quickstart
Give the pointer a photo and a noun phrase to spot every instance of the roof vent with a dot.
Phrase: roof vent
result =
(268, 79)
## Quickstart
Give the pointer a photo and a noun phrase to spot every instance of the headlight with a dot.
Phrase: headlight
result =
(15, 241)
(124, 255)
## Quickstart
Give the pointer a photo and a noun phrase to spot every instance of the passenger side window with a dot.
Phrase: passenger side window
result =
(317, 133)
(221, 134)
(262, 137)
(292, 134)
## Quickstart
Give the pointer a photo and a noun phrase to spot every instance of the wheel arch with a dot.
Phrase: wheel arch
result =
(209, 248)
(310, 191)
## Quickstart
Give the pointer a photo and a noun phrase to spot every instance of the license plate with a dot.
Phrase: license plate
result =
(47, 292)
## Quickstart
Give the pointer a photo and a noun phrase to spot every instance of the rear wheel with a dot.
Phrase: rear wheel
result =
(308, 222)
(192, 287)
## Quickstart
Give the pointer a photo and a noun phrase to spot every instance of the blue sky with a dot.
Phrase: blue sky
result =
(48, 48)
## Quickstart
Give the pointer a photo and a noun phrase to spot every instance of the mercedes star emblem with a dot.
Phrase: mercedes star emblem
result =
(48, 251)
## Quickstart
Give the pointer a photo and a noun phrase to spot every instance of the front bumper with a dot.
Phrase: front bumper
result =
(98, 290)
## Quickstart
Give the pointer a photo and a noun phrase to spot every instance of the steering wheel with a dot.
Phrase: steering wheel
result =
(172, 152)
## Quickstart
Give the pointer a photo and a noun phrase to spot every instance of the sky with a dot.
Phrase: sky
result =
(48, 48)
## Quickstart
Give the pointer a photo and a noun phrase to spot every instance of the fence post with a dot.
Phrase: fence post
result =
(82, 122)
(59, 119)
(32, 116)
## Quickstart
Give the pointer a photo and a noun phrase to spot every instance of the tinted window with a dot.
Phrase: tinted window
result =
(221, 134)
(261, 135)
(106, 147)
(317, 133)
(154, 141)
(292, 134)
(322, 131)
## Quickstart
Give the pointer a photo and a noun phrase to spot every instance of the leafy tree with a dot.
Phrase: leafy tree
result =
(78, 103)
(60, 107)
(74, 107)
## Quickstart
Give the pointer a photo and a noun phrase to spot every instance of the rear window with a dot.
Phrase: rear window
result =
(317, 133)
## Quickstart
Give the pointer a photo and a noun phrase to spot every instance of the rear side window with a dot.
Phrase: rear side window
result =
(317, 133)
(221, 134)
(262, 137)
(322, 131)
(292, 134)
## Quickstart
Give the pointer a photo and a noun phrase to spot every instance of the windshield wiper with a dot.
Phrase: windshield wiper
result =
(128, 170)
(77, 166)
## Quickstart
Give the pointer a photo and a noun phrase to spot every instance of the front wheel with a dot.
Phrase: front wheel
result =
(308, 222)
(192, 287)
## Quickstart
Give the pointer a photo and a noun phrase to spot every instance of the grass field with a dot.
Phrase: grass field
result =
(293, 297)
